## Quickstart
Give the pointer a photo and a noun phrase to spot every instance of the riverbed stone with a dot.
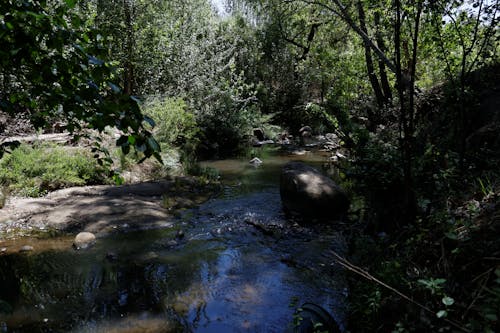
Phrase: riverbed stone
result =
(26, 248)
(84, 240)
(255, 161)
(306, 191)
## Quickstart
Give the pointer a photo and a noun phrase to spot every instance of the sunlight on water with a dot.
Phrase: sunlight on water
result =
(223, 275)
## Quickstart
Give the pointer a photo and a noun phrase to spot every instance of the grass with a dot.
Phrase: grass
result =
(33, 171)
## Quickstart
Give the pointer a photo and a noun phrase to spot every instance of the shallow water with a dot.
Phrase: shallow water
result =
(237, 266)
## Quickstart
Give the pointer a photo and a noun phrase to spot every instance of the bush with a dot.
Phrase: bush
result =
(175, 125)
(34, 171)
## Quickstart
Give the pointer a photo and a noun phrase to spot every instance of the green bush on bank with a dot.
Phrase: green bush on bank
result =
(174, 124)
(35, 170)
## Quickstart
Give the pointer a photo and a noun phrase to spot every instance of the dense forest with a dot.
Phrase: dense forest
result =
(410, 89)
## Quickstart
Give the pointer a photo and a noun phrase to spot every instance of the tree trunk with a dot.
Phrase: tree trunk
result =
(369, 61)
(347, 18)
(406, 135)
(128, 77)
(384, 82)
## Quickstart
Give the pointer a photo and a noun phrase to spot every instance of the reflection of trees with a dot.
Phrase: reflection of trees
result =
(10, 285)
(73, 287)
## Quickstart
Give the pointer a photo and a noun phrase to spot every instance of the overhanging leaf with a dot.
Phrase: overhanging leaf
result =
(150, 121)
(448, 301)
(441, 314)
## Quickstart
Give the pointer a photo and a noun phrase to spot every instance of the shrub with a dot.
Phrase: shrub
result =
(34, 171)
(175, 125)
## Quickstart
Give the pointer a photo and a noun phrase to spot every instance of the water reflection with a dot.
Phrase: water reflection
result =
(224, 275)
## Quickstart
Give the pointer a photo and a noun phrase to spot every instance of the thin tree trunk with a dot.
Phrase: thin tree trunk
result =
(128, 48)
(369, 61)
(403, 87)
(347, 18)
(384, 81)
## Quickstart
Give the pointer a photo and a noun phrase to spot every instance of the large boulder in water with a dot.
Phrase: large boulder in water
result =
(304, 190)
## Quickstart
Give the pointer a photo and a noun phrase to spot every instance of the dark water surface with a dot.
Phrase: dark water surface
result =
(237, 266)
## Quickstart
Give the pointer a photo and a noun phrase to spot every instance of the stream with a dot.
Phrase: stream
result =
(232, 264)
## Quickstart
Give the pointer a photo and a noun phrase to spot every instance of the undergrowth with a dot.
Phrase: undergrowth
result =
(33, 171)
(440, 273)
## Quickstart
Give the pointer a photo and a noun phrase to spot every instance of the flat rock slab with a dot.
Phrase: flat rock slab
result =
(96, 209)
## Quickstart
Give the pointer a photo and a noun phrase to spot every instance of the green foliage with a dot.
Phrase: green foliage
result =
(435, 286)
(33, 171)
(54, 67)
(174, 124)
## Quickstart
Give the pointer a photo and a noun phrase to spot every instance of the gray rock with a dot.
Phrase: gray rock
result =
(262, 143)
(256, 161)
(26, 248)
(304, 190)
(84, 240)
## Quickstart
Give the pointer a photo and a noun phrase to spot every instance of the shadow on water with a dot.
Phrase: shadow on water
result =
(237, 266)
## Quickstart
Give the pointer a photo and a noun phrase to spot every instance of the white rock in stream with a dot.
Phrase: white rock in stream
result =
(84, 240)
(256, 161)
(26, 248)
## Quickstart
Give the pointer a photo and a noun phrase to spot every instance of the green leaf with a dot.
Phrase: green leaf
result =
(150, 121)
(153, 144)
(140, 148)
(448, 301)
(491, 316)
(157, 156)
(94, 61)
(114, 87)
(451, 235)
(135, 99)
(122, 140)
(442, 314)
(70, 3)
(118, 179)
(126, 149)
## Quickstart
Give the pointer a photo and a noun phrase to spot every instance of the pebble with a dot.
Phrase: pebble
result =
(84, 240)
(26, 248)
(172, 243)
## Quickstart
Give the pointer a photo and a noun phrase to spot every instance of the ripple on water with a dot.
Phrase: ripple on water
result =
(209, 281)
